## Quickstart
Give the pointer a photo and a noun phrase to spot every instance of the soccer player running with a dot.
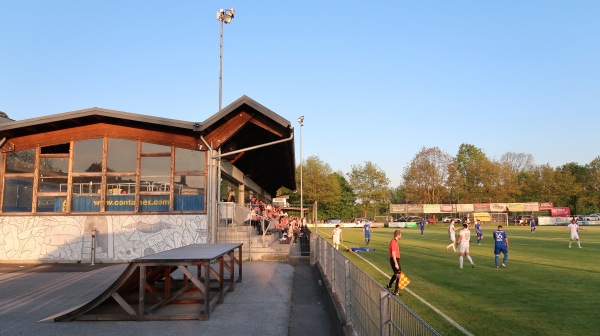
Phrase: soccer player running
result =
(395, 262)
(501, 245)
(337, 236)
(478, 231)
(452, 236)
(574, 227)
(464, 237)
(367, 232)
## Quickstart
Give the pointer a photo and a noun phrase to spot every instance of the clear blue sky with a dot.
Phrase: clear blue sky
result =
(375, 80)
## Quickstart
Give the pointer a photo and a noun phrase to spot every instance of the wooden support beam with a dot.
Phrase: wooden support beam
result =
(123, 304)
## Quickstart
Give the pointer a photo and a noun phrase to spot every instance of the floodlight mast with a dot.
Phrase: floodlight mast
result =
(224, 16)
(301, 121)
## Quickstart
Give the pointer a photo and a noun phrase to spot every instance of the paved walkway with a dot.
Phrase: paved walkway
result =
(275, 298)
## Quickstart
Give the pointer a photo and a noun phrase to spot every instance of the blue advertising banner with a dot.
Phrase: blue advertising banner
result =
(116, 203)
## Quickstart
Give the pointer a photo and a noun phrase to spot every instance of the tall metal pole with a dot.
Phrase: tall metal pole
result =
(301, 121)
(221, 68)
(224, 16)
(301, 188)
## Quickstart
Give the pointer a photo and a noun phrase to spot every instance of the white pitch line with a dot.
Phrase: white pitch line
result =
(446, 317)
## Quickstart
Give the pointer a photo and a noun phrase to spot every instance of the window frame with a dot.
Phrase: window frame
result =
(103, 177)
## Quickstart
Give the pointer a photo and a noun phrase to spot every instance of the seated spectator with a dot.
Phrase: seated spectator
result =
(256, 218)
(248, 219)
(277, 228)
(283, 219)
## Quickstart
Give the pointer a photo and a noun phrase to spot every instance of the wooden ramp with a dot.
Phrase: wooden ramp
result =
(185, 283)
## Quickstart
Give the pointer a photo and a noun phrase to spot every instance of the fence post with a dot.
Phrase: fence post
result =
(94, 232)
(324, 255)
(347, 294)
(384, 313)
(333, 270)
(325, 258)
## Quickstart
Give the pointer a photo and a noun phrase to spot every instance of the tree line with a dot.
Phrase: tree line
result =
(436, 177)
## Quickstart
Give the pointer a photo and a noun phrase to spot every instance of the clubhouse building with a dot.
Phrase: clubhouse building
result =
(140, 184)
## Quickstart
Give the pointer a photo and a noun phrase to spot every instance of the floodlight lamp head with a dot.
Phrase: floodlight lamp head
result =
(225, 15)
(301, 120)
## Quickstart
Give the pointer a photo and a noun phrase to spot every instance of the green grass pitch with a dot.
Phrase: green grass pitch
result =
(546, 289)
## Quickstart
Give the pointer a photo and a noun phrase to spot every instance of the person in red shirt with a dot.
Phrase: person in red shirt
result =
(395, 262)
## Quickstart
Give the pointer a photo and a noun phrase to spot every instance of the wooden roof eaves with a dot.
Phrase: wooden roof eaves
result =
(252, 104)
(224, 132)
(219, 136)
(95, 111)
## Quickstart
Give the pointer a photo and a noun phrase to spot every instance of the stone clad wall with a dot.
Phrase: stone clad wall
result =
(119, 237)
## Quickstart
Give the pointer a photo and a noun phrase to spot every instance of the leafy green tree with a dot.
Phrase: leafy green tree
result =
(383, 207)
(505, 186)
(536, 183)
(425, 179)
(370, 185)
(592, 189)
(544, 183)
(319, 182)
(398, 195)
(344, 207)
(573, 178)
(471, 174)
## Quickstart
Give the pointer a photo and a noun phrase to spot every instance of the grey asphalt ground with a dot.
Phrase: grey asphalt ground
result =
(275, 298)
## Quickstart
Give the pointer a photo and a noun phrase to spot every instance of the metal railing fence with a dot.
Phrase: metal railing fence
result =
(366, 304)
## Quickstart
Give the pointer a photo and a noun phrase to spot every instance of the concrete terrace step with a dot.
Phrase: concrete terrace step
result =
(266, 254)
(256, 247)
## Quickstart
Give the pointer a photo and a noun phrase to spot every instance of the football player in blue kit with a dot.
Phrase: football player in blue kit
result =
(367, 232)
(500, 245)
(478, 231)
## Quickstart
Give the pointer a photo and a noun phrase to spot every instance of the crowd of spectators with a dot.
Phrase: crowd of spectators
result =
(266, 216)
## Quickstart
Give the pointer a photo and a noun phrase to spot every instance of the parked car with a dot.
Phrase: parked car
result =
(414, 219)
(333, 221)
(448, 219)
(360, 220)
(593, 217)
(400, 219)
